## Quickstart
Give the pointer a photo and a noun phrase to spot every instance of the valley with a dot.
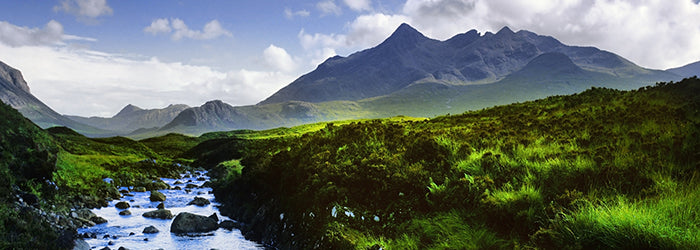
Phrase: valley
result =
(481, 141)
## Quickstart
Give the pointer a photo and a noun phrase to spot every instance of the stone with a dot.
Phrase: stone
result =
(229, 225)
(98, 220)
(177, 182)
(191, 186)
(199, 201)
(125, 212)
(161, 206)
(177, 188)
(140, 189)
(157, 196)
(192, 223)
(150, 230)
(201, 179)
(122, 205)
(159, 214)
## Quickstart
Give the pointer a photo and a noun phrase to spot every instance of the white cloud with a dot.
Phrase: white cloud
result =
(359, 5)
(179, 29)
(88, 83)
(291, 14)
(278, 58)
(15, 36)
(652, 33)
(85, 8)
(329, 7)
(161, 25)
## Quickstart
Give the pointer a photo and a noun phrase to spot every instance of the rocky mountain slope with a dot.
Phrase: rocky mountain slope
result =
(14, 91)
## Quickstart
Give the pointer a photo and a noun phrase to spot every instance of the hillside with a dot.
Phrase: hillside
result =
(600, 169)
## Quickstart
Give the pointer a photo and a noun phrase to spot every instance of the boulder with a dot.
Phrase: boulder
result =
(157, 196)
(161, 206)
(122, 205)
(150, 230)
(80, 244)
(199, 201)
(229, 225)
(191, 186)
(98, 220)
(159, 214)
(140, 189)
(191, 223)
(125, 212)
(177, 182)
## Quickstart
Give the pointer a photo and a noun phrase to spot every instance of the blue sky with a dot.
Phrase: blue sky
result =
(92, 57)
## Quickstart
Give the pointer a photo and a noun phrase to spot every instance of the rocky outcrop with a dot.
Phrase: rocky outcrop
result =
(192, 223)
(159, 214)
(87, 217)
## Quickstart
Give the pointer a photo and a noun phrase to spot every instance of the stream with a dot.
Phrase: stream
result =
(127, 230)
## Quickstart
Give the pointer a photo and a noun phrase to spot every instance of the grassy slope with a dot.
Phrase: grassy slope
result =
(604, 168)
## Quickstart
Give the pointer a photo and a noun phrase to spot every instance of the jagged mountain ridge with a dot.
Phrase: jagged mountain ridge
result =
(131, 118)
(408, 57)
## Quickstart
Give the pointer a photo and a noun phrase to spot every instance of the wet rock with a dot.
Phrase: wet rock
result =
(122, 205)
(132, 234)
(98, 220)
(159, 214)
(105, 248)
(157, 185)
(205, 184)
(199, 201)
(177, 188)
(157, 196)
(191, 186)
(111, 243)
(192, 223)
(124, 191)
(229, 225)
(140, 189)
(150, 230)
(123, 248)
(201, 179)
(125, 212)
(177, 183)
(161, 206)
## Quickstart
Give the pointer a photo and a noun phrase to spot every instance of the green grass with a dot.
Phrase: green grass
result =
(524, 174)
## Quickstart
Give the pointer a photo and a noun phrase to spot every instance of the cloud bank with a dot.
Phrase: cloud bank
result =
(84, 8)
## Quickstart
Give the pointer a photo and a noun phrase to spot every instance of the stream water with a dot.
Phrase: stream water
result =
(127, 230)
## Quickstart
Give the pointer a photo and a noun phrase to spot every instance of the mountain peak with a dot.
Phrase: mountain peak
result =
(13, 77)
(127, 110)
(404, 34)
(505, 30)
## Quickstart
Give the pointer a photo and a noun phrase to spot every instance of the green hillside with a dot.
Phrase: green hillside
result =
(600, 169)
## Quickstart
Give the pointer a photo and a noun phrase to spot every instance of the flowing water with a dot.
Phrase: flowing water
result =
(126, 230)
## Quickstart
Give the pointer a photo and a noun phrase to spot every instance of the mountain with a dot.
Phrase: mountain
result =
(131, 118)
(408, 57)
(219, 116)
(692, 69)
(411, 74)
(14, 91)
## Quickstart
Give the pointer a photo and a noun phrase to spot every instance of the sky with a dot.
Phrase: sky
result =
(93, 57)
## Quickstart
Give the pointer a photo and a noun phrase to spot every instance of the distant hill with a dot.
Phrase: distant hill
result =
(408, 57)
(689, 70)
(131, 118)
(14, 91)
